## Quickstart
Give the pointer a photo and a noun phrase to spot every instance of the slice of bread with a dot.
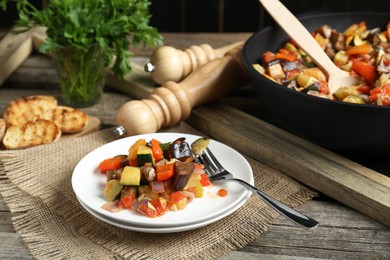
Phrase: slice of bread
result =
(70, 120)
(32, 108)
(31, 134)
(2, 128)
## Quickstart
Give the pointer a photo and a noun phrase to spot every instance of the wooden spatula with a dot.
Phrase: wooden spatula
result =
(292, 26)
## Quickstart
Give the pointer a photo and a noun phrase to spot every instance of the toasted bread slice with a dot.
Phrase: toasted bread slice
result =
(70, 120)
(73, 120)
(31, 134)
(31, 108)
(2, 128)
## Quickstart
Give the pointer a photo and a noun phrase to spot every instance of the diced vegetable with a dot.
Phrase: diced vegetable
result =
(131, 176)
(341, 58)
(268, 57)
(367, 71)
(275, 70)
(359, 50)
(112, 163)
(183, 171)
(145, 155)
(157, 186)
(180, 150)
(205, 181)
(286, 55)
(381, 95)
(165, 172)
(194, 185)
(179, 200)
(128, 195)
(147, 192)
(354, 99)
(112, 190)
(133, 151)
(199, 145)
(156, 149)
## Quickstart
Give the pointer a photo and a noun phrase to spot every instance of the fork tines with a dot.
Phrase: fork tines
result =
(211, 164)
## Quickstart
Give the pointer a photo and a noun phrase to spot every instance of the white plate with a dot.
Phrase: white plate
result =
(173, 229)
(88, 184)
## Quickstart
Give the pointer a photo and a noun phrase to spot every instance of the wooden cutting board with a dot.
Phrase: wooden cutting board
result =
(354, 185)
(93, 125)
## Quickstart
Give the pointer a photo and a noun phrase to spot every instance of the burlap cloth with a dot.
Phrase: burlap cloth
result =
(36, 184)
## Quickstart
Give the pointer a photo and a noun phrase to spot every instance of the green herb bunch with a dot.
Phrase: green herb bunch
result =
(112, 24)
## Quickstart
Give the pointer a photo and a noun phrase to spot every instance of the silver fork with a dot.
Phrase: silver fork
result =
(216, 172)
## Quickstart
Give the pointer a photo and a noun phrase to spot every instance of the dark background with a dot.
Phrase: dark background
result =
(225, 15)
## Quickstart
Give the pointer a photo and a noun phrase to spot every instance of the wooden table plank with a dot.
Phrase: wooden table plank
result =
(348, 182)
(344, 233)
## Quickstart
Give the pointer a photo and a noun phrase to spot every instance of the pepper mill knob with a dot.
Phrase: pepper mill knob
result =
(173, 102)
(170, 64)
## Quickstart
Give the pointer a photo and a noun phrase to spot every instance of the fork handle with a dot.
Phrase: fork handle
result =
(286, 211)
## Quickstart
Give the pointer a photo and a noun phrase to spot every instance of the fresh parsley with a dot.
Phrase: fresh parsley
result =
(112, 24)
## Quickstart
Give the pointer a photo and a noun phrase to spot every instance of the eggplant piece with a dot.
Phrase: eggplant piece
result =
(338, 40)
(180, 150)
(183, 172)
(325, 31)
(275, 70)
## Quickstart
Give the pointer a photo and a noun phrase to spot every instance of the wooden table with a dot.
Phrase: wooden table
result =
(344, 233)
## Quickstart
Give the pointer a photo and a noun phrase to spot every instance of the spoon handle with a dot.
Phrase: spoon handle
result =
(294, 28)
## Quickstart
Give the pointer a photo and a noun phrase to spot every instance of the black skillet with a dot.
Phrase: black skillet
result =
(356, 130)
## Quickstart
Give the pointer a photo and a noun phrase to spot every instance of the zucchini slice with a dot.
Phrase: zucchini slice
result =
(131, 176)
(145, 155)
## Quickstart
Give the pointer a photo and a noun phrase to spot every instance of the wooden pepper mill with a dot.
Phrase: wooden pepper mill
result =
(173, 102)
(170, 64)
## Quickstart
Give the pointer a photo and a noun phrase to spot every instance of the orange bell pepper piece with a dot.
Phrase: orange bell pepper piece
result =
(165, 172)
(268, 57)
(366, 70)
(359, 49)
(110, 164)
(156, 150)
(286, 55)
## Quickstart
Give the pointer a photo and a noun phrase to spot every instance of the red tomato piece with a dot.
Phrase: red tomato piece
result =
(222, 192)
(149, 211)
(161, 208)
(381, 95)
(127, 201)
(366, 70)
(204, 180)
(177, 196)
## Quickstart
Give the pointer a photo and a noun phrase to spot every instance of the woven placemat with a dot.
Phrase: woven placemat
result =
(36, 184)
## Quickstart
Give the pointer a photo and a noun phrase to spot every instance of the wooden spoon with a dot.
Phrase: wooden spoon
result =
(292, 26)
